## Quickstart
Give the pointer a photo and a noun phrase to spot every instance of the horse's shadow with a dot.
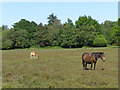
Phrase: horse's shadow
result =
(94, 69)
(89, 69)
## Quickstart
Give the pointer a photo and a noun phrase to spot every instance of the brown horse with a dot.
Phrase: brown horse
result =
(91, 58)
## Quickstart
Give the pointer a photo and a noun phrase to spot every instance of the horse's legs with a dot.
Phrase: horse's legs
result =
(86, 66)
(94, 65)
(83, 65)
(91, 65)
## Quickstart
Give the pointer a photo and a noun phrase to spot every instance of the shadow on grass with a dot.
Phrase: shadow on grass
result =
(94, 69)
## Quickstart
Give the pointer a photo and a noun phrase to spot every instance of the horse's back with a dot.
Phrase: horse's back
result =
(34, 53)
(86, 57)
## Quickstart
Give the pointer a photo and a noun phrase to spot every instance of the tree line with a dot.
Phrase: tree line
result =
(85, 32)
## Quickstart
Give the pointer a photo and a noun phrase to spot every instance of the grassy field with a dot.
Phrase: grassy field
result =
(58, 68)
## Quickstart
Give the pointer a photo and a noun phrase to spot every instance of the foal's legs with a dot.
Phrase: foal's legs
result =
(31, 56)
(34, 56)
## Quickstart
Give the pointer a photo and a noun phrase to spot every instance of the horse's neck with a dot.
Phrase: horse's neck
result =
(96, 56)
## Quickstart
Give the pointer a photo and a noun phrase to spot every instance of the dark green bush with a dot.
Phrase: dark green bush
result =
(100, 41)
(7, 44)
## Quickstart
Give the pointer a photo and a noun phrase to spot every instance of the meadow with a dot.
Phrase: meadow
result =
(58, 68)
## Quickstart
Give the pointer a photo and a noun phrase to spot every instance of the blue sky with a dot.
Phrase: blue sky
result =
(39, 11)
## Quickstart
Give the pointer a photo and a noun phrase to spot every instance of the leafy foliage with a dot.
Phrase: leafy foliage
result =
(86, 32)
(87, 23)
(53, 32)
(51, 19)
(106, 29)
(6, 42)
(87, 28)
(30, 27)
(116, 33)
(20, 38)
(41, 37)
(100, 41)
(67, 35)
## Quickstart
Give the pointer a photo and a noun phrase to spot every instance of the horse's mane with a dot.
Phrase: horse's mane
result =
(97, 53)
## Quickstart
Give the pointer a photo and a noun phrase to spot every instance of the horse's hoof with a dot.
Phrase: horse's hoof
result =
(102, 69)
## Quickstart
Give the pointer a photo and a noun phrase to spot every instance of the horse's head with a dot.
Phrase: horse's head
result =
(102, 56)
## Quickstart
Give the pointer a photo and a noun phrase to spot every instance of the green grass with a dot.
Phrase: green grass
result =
(46, 47)
(58, 68)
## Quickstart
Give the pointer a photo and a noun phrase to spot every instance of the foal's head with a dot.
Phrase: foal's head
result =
(102, 56)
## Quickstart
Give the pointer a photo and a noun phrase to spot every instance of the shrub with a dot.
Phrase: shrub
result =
(53, 47)
(85, 47)
(100, 41)
(7, 44)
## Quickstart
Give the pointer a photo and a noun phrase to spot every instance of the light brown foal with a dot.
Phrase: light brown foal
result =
(33, 55)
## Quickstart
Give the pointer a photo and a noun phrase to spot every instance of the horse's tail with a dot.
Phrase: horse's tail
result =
(82, 58)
